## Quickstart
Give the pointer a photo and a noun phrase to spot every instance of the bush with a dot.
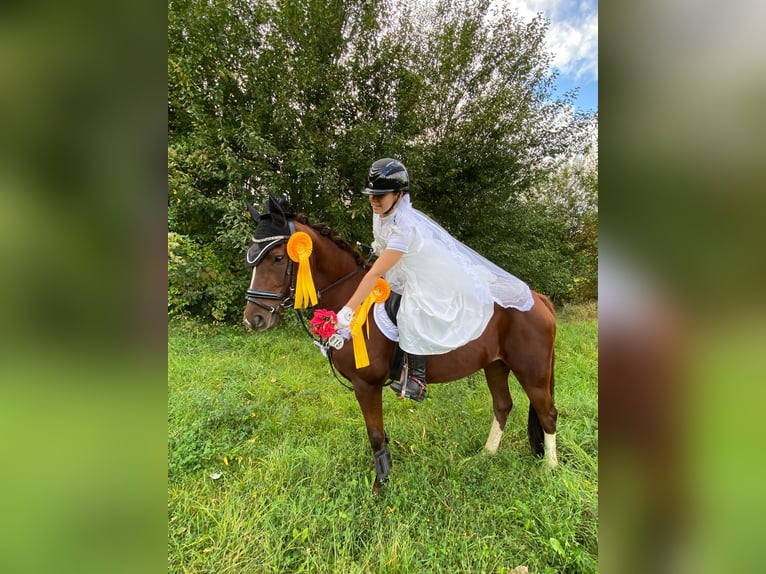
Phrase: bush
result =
(200, 282)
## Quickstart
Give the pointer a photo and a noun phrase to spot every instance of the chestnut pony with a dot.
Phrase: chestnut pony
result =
(514, 341)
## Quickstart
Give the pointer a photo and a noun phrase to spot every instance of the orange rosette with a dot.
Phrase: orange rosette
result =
(299, 249)
(379, 294)
(381, 291)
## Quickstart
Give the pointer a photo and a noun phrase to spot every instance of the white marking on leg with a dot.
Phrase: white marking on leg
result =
(550, 449)
(495, 434)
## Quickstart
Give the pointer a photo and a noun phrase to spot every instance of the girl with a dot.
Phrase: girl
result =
(448, 290)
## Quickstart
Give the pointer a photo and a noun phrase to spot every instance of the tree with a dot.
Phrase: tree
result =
(569, 196)
(298, 97)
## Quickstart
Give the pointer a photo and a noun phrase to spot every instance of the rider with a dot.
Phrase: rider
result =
(448, 290)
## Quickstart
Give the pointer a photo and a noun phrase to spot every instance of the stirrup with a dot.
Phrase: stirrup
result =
(414, 388)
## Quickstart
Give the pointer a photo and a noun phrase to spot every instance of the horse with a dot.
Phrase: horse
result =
(513, 341)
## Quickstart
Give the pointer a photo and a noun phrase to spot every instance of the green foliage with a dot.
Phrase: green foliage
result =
(298, 97)
(569, 195)
(198, 282)
(263, 414)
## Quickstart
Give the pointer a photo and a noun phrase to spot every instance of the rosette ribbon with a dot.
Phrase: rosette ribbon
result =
(299, 249)
(379, 293)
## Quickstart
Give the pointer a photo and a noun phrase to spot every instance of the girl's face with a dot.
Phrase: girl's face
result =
(382, 203)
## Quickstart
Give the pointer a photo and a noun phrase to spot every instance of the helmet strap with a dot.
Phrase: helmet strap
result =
(390, 209)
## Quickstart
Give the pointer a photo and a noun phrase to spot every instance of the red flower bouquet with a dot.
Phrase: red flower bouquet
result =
(323, 323)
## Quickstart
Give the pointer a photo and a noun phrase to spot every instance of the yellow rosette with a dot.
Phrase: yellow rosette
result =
(299, 249)
(379, 293)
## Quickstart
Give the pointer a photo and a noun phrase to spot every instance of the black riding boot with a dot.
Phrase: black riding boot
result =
(415, 388)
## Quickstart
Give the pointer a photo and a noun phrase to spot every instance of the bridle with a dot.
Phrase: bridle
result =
(286, 296)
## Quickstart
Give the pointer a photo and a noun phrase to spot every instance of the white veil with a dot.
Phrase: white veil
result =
(506, 289)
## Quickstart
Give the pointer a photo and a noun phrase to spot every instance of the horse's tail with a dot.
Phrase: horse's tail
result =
(535, 432)
(534, 428)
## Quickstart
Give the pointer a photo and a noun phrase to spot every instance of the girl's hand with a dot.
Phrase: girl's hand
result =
(344, 318)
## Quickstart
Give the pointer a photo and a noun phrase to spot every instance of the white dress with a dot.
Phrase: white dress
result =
(448, 290)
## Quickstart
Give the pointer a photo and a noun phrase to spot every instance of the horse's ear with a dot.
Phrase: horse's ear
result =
(276, 211)
(253, 212)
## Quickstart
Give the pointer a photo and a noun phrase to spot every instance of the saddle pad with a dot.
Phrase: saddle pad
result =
(384, 323)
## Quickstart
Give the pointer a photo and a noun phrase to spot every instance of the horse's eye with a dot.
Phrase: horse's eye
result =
(278, 258)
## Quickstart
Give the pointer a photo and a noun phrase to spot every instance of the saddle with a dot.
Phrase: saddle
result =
(397, 359)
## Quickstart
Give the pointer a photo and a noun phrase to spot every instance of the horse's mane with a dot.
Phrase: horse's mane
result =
(341, 242)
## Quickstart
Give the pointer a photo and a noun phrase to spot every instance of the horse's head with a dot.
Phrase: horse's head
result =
(272, 282)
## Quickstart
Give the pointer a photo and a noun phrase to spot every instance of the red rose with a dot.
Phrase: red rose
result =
(323, 323)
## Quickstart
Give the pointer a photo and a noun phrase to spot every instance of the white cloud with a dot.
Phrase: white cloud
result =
(572, 35)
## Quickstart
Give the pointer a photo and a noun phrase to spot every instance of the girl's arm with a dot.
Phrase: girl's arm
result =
(387, 259)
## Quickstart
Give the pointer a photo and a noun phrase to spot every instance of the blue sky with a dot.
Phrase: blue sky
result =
(573, 40)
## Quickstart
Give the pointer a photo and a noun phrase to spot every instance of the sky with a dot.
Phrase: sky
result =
(572, 38)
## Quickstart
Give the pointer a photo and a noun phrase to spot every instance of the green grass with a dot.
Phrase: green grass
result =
(296, 495)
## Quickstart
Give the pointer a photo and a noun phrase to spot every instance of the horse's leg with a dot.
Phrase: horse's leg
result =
(541, 422)
(497, 381)
(370, 399)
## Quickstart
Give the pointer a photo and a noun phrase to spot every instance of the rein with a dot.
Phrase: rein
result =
(328, 350)
(287, 294)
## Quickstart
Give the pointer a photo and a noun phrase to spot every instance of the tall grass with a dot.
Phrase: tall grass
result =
(269, 466)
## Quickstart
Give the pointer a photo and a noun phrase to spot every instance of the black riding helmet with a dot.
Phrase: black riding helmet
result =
(387, 175)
